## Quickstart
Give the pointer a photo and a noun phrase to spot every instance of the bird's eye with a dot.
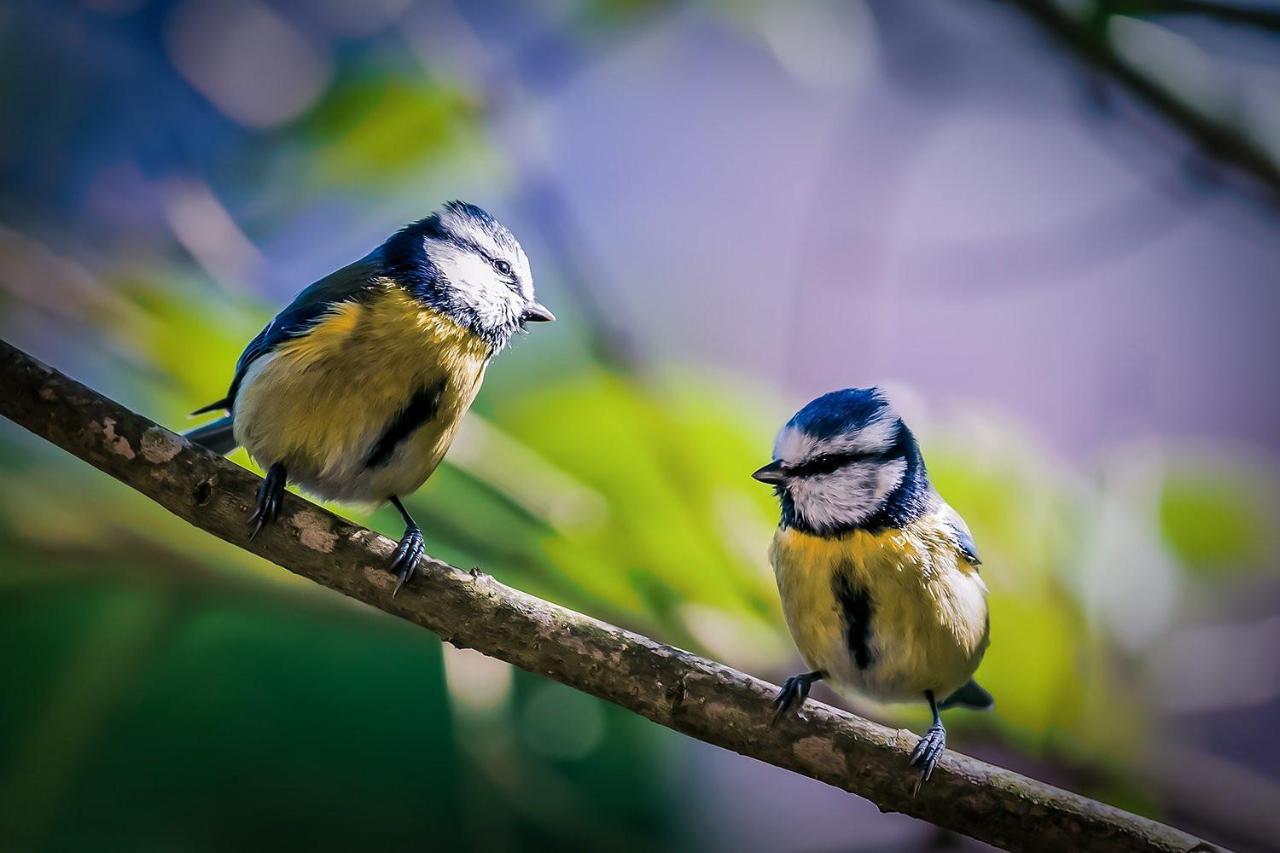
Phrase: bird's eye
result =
(826, 464)
(502, 267)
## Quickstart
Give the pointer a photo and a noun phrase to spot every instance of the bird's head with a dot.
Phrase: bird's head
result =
(464, 263)
(844, 461)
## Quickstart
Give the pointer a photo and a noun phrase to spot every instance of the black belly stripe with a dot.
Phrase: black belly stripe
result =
(855, 607)
(422, 407)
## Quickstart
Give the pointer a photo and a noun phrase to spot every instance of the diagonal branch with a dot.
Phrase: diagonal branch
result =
(682, 691)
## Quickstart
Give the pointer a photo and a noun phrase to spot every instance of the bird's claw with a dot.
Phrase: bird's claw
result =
(270, 497)
(405, 560)
(794, 688)
(927, 753)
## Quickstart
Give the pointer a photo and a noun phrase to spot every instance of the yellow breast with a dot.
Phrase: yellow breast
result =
(319, 402)
(926, 607)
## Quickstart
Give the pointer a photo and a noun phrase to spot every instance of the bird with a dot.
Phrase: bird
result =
(354, 391)
(878, 576)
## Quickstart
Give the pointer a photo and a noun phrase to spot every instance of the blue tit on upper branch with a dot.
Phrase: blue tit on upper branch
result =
(878, 575)
(354, 391)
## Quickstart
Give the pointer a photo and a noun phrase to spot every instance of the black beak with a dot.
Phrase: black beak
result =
(773, 473)
(537, 313)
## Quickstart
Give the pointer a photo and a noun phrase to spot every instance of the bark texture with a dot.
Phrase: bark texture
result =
(687, 693)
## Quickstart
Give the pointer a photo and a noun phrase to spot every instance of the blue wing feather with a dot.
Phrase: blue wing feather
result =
(964, 539)
(351, 283)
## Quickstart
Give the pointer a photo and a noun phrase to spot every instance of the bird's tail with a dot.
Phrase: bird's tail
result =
(970, 696)
(217, 436)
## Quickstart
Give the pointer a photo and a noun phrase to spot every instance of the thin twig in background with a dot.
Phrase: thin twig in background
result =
(1251, 16)
(682, 691)
(1220, 141)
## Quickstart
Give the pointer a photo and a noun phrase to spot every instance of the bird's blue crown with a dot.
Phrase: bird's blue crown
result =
(840, 412)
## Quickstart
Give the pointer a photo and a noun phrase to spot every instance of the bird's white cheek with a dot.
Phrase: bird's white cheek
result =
(888, 477)
(494, 306)
(848, 496)
(475, 281)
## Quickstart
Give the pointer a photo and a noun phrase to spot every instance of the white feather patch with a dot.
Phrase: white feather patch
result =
(877, 436)
(476, 282)
(847, 496)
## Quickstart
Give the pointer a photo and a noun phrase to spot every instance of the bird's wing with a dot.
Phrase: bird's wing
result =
(351, 283)
(964, 539)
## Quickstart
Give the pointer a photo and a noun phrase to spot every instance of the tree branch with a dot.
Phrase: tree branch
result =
(682, 691)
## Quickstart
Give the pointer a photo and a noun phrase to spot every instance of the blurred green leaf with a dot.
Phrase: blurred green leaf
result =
(376, 128)
(1218, 519)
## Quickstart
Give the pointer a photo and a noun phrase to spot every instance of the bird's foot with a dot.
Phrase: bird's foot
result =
(405, 561)
(794, 691)
(270, 496)
(927, 752)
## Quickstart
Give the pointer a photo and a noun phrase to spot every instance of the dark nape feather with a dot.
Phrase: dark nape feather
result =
(217, 436)
(970, 696)
(405, 260)
(913, 498)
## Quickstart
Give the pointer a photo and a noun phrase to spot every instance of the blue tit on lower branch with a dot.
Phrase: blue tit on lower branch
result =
(878, 575)
(354, 391)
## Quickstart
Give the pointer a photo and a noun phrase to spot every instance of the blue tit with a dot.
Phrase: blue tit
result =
(878, 575)
(354, 391)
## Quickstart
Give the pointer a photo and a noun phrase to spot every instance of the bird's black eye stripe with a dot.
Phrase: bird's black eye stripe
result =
(829, 462)
(824, 464)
